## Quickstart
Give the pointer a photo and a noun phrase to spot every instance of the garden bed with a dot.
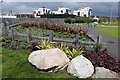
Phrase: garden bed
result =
(99, 59)
(103, 59)
(45, 33)
(26, 70)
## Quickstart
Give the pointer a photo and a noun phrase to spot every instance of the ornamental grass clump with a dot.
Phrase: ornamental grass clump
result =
(56, 27)
(71, 53)
(45, 45)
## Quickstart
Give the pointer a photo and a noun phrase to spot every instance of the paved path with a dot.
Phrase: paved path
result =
(111, 43)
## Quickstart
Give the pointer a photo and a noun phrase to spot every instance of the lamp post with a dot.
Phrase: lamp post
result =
(111, 16)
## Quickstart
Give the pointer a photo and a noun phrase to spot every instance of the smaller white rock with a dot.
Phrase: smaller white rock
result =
(80, 67)
(102, 72)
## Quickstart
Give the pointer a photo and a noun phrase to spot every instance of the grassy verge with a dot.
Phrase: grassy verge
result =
(15, 65)
(109, 24)
(110, 31)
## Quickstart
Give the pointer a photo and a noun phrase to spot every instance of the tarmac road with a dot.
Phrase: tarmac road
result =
(112, 44)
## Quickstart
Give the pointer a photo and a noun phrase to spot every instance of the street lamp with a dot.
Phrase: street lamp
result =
(111, 16)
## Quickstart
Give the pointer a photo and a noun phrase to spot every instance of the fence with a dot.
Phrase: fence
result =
(10, 21)
(8, 31)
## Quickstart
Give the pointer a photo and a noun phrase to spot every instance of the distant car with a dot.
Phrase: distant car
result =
(93, 25)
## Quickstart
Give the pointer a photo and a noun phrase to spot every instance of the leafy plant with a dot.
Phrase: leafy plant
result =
(8, 41)
(2, 43)
(71, 53)
(32, 42)
(13, 43)
(45, 45)
(21, 40)
(6, 38)
(22, 46)
(97, 47)
(29, 46)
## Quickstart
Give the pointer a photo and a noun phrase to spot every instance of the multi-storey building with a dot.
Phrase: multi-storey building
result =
(83, 11)
(62, 10)
(41, 11)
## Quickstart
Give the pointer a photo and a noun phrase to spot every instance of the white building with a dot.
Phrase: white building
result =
(6, 16)
(83, 11)
(62, 10)
(41, 11)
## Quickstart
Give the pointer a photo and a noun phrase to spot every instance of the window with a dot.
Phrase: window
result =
(61, 11)
(78, 13)
(48, 11)
(34, 11)
(43, 10)
(67, 11)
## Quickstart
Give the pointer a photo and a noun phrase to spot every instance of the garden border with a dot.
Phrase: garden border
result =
(8, 31)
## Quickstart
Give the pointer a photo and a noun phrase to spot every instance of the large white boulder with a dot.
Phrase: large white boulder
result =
(50, 60)
(102, 72)
(80, 67)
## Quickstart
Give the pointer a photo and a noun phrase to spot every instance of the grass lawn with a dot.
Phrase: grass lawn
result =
(109, 24)
(15, 65)
(111, 31)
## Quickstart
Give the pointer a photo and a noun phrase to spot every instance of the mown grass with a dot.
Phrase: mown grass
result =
(110, 31)
(15, 65)
(109, 24)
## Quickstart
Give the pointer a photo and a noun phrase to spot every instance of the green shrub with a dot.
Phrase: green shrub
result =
(6, 38)
(32, 42)
(22, 46)
(21, 40)
(2, 43)
(29, 46)
(83, 38)
(13, 43)
(8, 41)
(68, 20)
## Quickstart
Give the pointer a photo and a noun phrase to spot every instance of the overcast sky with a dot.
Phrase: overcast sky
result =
(98, 8)
(61, 0)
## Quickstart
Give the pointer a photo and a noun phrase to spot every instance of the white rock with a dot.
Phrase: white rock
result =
(101, 72)
(80, 67)
(52, 59)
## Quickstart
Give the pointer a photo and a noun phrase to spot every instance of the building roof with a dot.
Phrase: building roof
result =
(61, 7)
(82, 6)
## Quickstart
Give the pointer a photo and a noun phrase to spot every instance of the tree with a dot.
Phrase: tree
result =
(68, 20)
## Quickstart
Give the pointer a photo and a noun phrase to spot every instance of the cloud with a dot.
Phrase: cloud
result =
(98, 8)
(62, 1)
